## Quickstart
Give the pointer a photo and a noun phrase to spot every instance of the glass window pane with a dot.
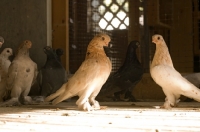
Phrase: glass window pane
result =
(107, 2)
(126, 7)
(122, 26)
(121, 15)
(95, 17)
(103, 23)
(108, 16)
(126, 21)
(109, 27)
(120, 2)
(115, 22)
(95, 3)
(114, 8)
(101, 9)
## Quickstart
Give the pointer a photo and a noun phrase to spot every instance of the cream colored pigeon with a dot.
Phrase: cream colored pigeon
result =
(4, 65)
(165, 75)
(89, 78)
(21, 75)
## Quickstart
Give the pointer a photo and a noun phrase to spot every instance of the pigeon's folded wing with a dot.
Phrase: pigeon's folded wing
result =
(11, 76)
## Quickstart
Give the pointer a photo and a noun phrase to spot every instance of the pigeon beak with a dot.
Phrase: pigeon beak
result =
(106, 44)
(153, 40)
(1, 44)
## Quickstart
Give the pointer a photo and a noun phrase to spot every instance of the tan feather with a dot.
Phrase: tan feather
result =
(89, 78)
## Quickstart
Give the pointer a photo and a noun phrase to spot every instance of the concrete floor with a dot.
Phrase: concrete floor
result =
(114, 116)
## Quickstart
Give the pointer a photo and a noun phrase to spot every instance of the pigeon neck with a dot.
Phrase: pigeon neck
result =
(23, 52)
(162, 56)
(95, 50)
(131, 57)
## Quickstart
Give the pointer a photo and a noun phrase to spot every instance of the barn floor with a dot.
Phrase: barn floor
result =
(113, 116)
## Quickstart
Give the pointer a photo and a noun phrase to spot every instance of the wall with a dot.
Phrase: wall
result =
(181, 36)
(25, 19)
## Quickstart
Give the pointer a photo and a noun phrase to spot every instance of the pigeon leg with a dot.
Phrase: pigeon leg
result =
(11, 102)
(170, 102)
(83, 103)
(94, 103)
(85, 106)
(26, 100)
(15, 94)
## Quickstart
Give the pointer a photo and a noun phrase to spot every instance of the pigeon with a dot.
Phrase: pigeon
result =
(89, 78)
(21, 75)
(4, 65)
(194, 78)
(119, 85)
(1, 41)
(166, 76)
(51, 76)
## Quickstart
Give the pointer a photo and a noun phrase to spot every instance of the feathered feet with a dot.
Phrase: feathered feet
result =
(26, 100)
(88, 105)
(124, 95)
(169, 103)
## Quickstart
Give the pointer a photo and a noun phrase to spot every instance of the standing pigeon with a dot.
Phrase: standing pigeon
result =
(122, 82)
(4, 65)
(51, 76)
(89, 78)
(21, 75)
(164, 74)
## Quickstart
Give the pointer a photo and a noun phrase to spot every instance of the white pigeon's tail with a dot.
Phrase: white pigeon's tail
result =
(193, 92)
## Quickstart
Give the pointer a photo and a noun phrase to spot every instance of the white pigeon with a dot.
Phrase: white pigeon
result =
(4, 65)
(165, 75)
(21, 75)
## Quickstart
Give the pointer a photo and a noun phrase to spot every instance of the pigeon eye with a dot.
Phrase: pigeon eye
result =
(158, 38)
(103, 38)
(8, 51)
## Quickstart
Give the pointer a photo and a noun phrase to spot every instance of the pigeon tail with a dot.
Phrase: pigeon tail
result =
(56, 94)
(193, 92)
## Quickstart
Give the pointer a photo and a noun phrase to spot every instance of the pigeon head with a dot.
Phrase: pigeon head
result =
(131, 51)
(25, 44)
(134, 44)
(24, 47)
(49, 52)
(102, 38)
(8, 51)
(157, 39)
(1, 41)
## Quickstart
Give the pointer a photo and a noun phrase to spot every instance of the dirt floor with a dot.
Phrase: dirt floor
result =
(113, 116)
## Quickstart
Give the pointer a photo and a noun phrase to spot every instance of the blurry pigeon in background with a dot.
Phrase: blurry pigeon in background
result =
(1, 41)
(165, 75)
(59, 52)
(194, 78)
(4, 65)
(21, 75)
(120, 84)
(51, 76)
(89, 78)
